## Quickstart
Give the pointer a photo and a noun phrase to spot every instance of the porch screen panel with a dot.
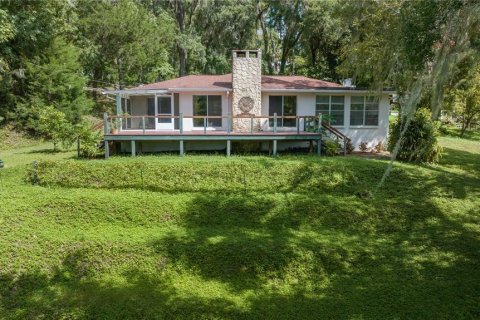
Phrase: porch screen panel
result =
(164, 105)
(150, 122)
(275, 106)
(214, 108)
(199, 109)
(289, 109)
(357, 110)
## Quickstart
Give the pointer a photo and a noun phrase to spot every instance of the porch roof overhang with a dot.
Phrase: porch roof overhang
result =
(137, 91)
(164, 91)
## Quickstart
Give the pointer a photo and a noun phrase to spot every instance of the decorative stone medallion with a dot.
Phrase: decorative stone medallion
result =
(245, 104)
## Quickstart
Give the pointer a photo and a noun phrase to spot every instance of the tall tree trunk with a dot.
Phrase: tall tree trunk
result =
(182, 55)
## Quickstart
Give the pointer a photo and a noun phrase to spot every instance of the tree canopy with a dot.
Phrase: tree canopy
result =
(63, 53)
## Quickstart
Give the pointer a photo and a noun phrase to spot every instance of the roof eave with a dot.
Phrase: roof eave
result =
(327, 90)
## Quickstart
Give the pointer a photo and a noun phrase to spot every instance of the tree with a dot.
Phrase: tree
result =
(124, 43)
(53, 125)
(319, 48)
(466, 104)
(187, 40)
(225, 25)
(411, 46)
(27, 29)
(416, 138)
(55, 78)
(285, 18)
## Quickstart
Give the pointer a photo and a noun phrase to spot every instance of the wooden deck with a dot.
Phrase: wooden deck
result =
(175, 135)
(228, 136)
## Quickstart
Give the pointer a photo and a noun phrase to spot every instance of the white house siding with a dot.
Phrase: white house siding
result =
(372, 135)
(186, 107)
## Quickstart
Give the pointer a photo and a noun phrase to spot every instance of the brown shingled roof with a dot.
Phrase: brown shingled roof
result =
(225, 82)
(295, 82)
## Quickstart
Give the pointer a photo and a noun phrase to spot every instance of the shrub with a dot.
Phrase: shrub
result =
(89, 140)
(350, 147)
(331, 147)
(379, 147)
(53, 125)
(363, 146)
(419, 143)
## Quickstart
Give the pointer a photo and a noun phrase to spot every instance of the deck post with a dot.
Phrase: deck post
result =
(274, 148)
(319, 143)
(180, 122)
(275, 122)
(133, 148)
(229, 120)
(107, 149)
(181, 148)
(229, 145)
(143, 124)
(118, 100)
(298, 125)
(105, 123)
(204, 125)
(319, 122)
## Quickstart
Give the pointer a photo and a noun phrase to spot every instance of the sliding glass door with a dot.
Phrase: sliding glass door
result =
(283, 106)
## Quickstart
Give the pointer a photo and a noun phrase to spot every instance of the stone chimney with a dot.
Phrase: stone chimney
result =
(247, 89)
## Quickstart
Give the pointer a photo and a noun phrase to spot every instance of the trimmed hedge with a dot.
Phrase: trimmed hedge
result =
(229, 175)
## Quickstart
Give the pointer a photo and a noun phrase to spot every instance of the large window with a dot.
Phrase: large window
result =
(207, 106)
(364, 111)
(333, 107)
(283, 106)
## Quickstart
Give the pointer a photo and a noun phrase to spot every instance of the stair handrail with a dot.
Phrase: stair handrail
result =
(335, 131)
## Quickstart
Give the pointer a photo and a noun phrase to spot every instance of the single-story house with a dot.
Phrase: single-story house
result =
(208, 112)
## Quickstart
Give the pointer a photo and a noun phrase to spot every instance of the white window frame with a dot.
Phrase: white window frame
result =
(280, 124)
(363, 125)
(330, 108)
(193, 110)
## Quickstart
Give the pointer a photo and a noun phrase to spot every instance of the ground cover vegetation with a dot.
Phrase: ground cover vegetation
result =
(317, 238)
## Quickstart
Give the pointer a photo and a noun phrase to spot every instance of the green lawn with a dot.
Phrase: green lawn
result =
(340, 248)
(454, 132)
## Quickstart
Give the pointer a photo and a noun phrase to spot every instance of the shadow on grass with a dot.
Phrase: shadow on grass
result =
(301, 260)
(69, 293)
(47, 151)
(304, 255)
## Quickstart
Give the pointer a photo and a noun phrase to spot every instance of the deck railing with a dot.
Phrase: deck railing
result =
(252, 123)
(313, 125)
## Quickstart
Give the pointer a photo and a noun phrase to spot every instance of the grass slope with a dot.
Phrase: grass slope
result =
(11, 139)
(412, 251)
